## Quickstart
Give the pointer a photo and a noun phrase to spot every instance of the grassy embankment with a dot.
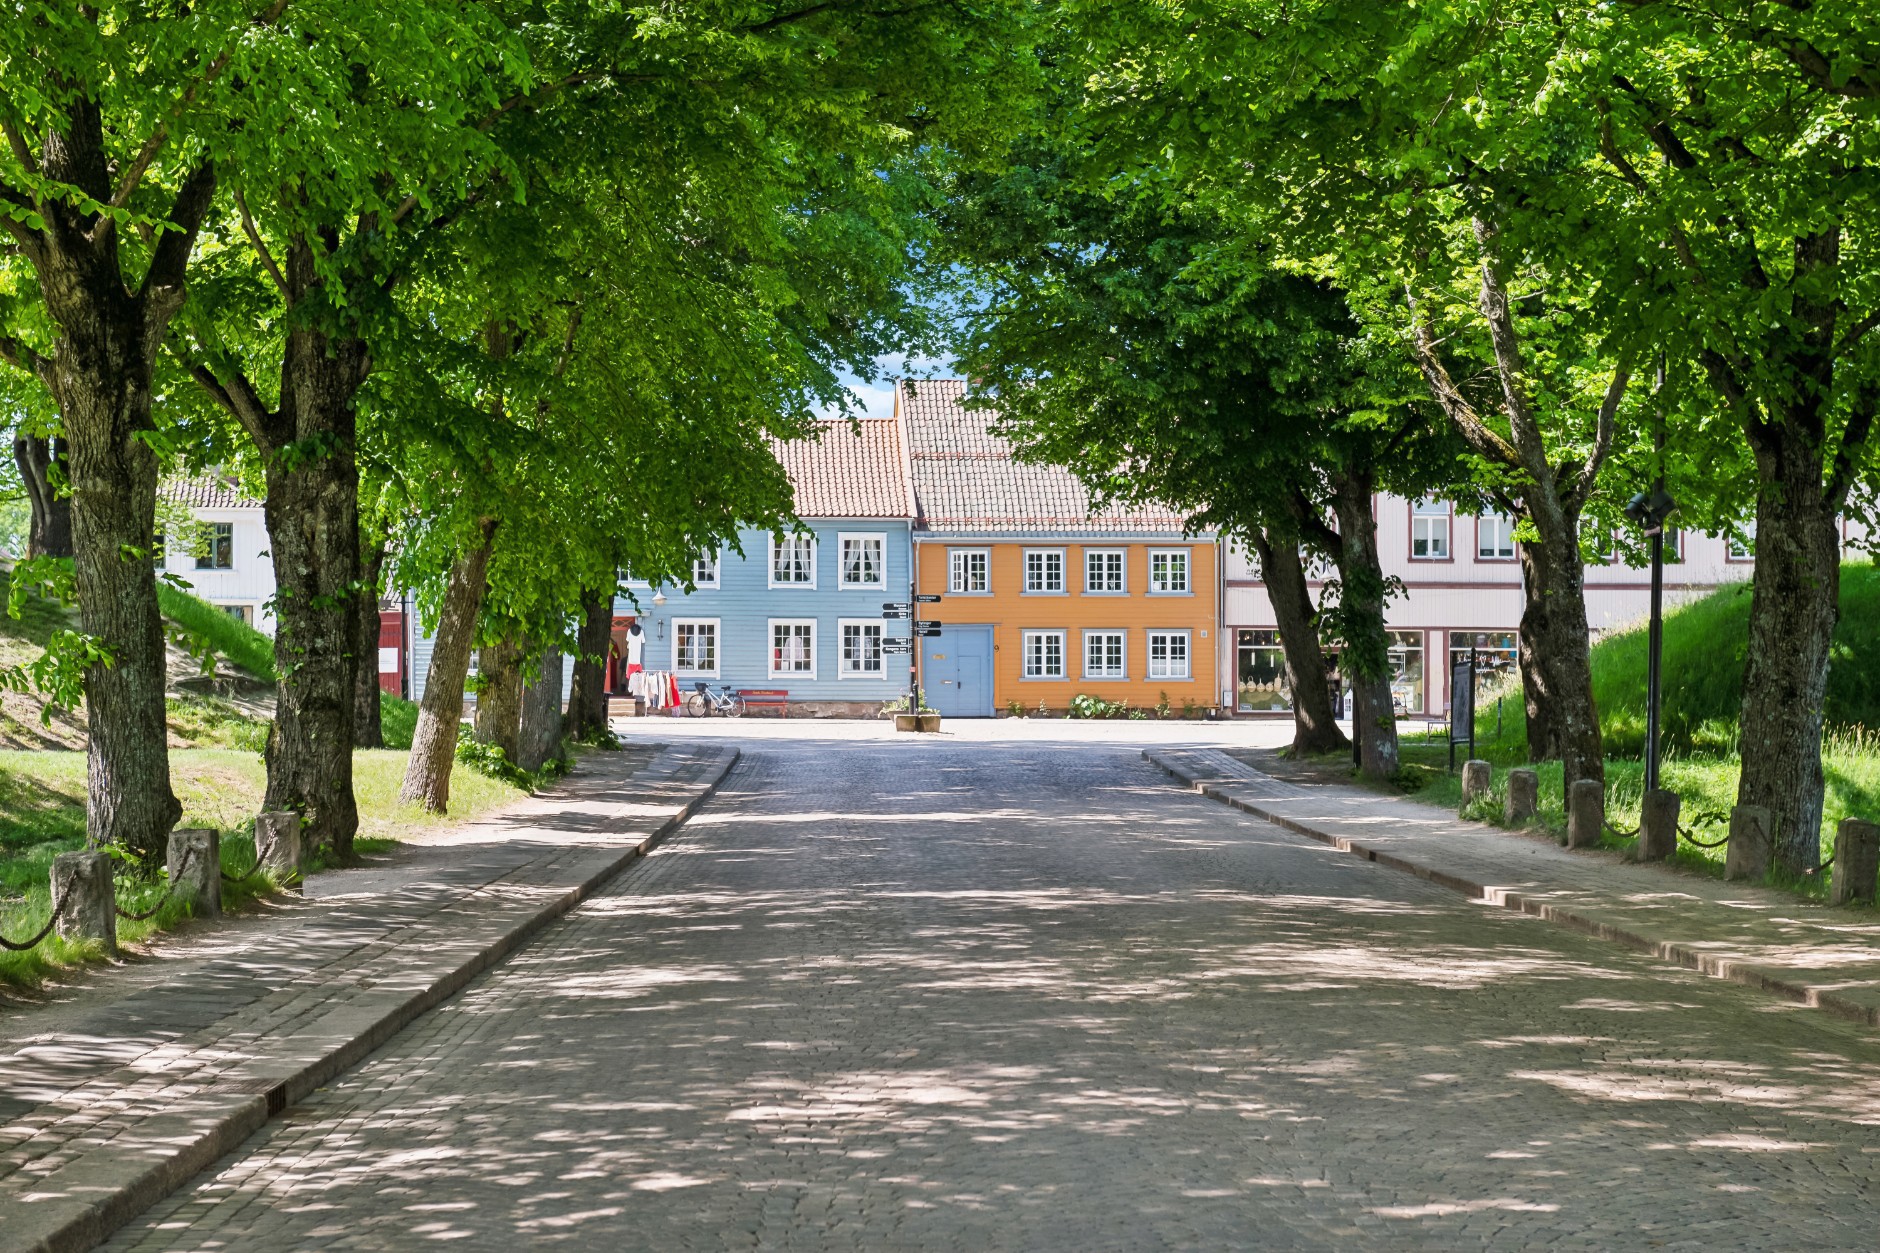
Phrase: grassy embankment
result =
(1705, 644)
(219, 778)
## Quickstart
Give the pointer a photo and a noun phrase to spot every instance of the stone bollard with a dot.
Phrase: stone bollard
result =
(196, 869)
(1856, 861)
(277, 843)
(1477, 777)
(1524, 798)
(1658, 825)
(1586, 813)
(82, 897)
(1747, 856)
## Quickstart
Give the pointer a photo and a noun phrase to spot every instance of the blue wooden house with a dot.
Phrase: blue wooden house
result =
(800, 615)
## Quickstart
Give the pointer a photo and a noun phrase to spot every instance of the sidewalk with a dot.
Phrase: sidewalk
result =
(107, 1108)
(1820, 956)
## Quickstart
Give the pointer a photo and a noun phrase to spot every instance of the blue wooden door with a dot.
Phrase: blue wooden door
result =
(956, 670)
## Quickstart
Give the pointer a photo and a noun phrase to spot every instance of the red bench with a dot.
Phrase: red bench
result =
(775, 696)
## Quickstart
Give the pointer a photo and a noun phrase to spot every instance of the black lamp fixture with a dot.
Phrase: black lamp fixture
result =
(1648, 511)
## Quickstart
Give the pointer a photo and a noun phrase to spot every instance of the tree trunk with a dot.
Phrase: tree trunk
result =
(313, 533)
(1315, 722)
(539, 737)
(110, 327)
(587, 696)
(1557, 643)
(104, 379)
(499, 695)
(1794, 605)
(1366, 656)
(49, 533)
(368, 729)
(1537, 685)
(434, 742)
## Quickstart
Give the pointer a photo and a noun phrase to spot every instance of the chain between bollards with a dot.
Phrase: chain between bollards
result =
(188, 856)
(248, 873)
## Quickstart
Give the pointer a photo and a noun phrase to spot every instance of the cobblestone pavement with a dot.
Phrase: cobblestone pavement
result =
(957, 996)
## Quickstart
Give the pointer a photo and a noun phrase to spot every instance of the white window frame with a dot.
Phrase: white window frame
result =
(710, 559)
(843, 540)
(1122, 567)
(1044, 556)
(1482, 522)
(1025, 639)
(1122, 670)
(1742, 551)
(955, 557)
(1433, 511)
(1188, 572)
(1188, 656)
(718, 646)
(770, 648)
(842, 642)
(771, 565)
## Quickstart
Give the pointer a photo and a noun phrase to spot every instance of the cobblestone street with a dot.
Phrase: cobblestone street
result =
(932, 994)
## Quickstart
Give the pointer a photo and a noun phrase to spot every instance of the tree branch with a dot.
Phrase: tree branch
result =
(1603, 430)
(22, 356)
(237, 396)
(1856, 333)
(134, 172)
(261, 249)
(1854, 437)
(1508, 358)
(1311, 522)
(22, 151)
(169, 263)
(1449, 397)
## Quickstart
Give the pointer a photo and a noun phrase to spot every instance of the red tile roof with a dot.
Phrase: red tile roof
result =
(967, 478)
(850, 471)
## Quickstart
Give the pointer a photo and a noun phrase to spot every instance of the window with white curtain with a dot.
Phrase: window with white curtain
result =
(793, 561)
(1168, 655)
(863, 560)
(1494, 537)
(1429, 530)
(861, 649)
(1105, 655)
(792, 648)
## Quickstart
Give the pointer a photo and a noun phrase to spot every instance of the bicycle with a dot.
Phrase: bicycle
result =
(706, 700)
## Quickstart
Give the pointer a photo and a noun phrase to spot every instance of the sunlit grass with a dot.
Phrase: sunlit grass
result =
(42, 814)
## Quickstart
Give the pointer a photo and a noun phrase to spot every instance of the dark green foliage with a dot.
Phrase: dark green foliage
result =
(398, 718)
(489, 759)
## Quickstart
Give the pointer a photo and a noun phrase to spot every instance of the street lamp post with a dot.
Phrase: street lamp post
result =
(1649, 513)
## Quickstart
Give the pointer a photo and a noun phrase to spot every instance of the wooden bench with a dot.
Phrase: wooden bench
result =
(775, 696)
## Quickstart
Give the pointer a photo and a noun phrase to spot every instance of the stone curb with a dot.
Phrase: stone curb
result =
(1735, 970)
(112, 1182)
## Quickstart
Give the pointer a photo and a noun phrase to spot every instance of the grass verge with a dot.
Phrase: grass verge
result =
(229, 636)
(42, 814)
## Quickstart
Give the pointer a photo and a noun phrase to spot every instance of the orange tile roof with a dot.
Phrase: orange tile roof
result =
(967, 477)
(848, 471)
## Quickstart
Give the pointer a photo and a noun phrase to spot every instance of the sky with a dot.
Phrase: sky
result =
(877, 397)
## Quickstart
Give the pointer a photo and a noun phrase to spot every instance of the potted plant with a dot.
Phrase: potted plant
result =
(914, 715)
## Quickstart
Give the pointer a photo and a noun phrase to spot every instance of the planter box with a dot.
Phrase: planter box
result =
(917, 722)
